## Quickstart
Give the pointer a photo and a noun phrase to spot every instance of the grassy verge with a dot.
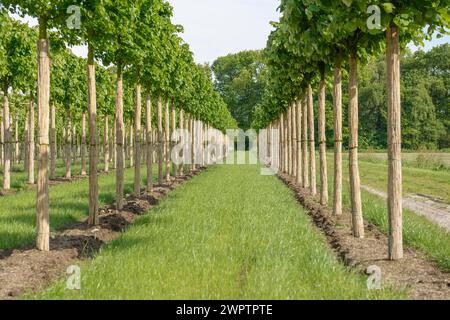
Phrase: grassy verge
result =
(418, 231)
(230, 233)
(19, 177)
(415, 180)
(68, 202)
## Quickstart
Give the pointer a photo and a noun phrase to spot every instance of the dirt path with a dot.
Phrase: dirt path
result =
(434, 211)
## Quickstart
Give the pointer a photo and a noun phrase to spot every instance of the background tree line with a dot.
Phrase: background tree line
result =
(241, 79)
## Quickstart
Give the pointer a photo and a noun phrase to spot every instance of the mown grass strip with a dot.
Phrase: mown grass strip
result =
(230, 233)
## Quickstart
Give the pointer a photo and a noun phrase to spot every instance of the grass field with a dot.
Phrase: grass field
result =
(418, 231)
(19, 178)
(68, 202)
(373, 171)
(230, 233)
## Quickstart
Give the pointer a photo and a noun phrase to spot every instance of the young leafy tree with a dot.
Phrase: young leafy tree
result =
(48, 13)
(118, 44)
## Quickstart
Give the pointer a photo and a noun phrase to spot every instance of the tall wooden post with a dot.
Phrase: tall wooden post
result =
(160, 142)
(281, 127)
(312, 144)
(394, 144)
(30, 162)
(149, 141)
(305, 141)
(174, 128)
(69, 146)
(16, 140)
(106, 143)
(323, 141)
(42, 204)
(355, 184)
(83, 144)
(294, 138)
(26, 137)
(53, 142)
(286, 143)
(167, 139)
(289, 140)
(192, 141)
(181, 124)
(93, 140)
(131, 147)
(137, 141)
(299, 142)
(7, 142)
(337, 112)
(120, 132)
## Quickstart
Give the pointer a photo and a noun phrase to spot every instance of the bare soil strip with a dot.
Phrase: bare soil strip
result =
(420, 277)
(29, 270)
(436, 212)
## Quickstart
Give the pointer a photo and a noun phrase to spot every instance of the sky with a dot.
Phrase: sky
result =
(215, 28)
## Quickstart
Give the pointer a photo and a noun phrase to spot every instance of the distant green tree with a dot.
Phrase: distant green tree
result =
(239, 79)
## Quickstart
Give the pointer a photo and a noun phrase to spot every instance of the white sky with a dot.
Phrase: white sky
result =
(214, 28)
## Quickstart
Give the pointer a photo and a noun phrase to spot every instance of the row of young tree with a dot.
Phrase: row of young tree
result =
(318, 39)
(131, 43)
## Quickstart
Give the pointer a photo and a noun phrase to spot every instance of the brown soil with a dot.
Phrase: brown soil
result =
(29, 270)
(420, 277)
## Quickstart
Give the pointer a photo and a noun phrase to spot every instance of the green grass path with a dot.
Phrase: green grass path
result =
(230, 233)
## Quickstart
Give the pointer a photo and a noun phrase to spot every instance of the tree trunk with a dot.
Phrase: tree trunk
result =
(181, 124)
(281, 127)
(299, 142)
(149, 140)
(355, 184)
(192, 148)
(305, 141)
(323, 143)
(289, 140)
(16, 140)
(394, 144)
(131, 146)
(174, 125)
(93, 140)
(69, 147)
(312, 144)
(2, 143)
(167, 139)
(137, 142)
(294, 138)
(337, 112)
(160, 142)
(26, 137)
(286, 143)
(7, 143)
(119, 140)
(83, 144)
(114, 149)
(106, 145)
(52, 142)
(42, 205)
(30, 161)
(74, 143)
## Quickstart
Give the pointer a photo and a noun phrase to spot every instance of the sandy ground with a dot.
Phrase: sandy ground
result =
(435, 211)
